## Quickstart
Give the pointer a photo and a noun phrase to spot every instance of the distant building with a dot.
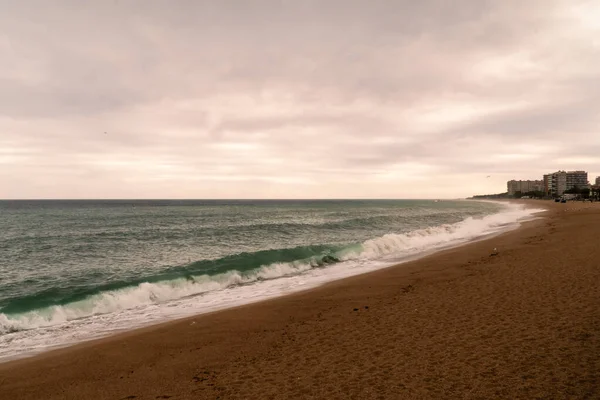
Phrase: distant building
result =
(577, 179)
(598, 181)
(512, 187)
(557, 183)
(547, 183)
(532, 186)
(524, 186)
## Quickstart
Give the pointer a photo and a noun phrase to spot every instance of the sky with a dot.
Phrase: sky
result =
(294, 99)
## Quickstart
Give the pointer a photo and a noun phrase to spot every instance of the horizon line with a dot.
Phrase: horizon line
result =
(230, 199)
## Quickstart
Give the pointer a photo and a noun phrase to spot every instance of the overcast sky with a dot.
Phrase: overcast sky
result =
(294, 99)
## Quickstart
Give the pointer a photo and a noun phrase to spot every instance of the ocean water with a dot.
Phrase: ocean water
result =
(76, 270)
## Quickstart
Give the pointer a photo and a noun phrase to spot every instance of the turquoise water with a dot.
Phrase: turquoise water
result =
(72, 263)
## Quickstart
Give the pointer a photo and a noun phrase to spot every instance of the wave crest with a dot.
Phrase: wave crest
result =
(152, 293)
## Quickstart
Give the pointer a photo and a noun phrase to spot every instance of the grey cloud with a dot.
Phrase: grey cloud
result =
(350, 123)
(331, 91)
(551, 122)
(146, 51)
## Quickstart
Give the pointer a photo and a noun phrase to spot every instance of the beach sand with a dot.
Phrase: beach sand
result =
(462, 323)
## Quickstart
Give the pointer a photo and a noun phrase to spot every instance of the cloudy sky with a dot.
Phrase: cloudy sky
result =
(294, 99)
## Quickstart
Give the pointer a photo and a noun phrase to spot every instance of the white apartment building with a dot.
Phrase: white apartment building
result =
(524, 186)
(557, 183)
(577, 179)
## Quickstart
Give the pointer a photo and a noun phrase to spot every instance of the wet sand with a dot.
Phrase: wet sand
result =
(462, 323)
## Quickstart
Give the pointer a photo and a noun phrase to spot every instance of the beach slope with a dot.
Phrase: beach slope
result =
(519, 322)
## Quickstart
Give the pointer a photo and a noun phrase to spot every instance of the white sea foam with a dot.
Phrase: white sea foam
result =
(148, 303)
(432, 237)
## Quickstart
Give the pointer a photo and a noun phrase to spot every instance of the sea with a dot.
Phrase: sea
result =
(72, 271)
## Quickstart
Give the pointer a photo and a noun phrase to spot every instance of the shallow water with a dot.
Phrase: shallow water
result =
(76, 270)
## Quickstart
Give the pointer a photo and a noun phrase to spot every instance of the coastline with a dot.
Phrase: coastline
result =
(416, 245)
(325, 343)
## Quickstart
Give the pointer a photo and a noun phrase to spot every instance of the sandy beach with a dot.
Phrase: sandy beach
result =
(522, 323)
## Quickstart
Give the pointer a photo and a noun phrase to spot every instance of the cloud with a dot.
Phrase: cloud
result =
(293, 99)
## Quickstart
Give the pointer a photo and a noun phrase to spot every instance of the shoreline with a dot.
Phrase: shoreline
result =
(457, 323)
(310, 286)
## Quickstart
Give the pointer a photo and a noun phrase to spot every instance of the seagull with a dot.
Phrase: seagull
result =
(489, 176)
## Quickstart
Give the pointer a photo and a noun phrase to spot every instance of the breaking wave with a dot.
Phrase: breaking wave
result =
(243, 269)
